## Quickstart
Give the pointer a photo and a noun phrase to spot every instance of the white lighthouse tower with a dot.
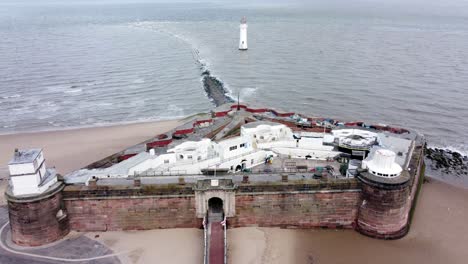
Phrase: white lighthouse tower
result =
(243, 34)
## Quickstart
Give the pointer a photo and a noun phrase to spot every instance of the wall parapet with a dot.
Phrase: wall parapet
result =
(103, 191)
(299, 186)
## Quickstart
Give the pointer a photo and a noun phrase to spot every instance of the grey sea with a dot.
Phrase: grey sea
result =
(76, 64)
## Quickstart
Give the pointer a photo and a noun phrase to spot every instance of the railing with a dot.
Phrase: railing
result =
(224, 223)
(161, 173)
(178, 173)
(205, 234)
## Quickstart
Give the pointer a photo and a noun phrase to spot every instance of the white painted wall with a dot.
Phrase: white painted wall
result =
(224, 147)
(23, 168)
(301, 153)
(29, 184)
(243, 37)
(153, 163)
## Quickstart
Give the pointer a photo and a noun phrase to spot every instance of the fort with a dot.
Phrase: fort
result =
(236, 166)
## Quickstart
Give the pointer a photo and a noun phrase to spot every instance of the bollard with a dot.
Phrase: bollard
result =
(137, 182)
(92, 183)
(245, 179)
(181, 180)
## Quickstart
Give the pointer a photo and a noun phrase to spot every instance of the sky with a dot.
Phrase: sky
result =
(443, 7)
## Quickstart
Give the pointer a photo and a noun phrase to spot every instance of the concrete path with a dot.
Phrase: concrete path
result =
(216, 242)
(73, 249)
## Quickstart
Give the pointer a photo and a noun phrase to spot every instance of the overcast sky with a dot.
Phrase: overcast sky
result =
(420, 6)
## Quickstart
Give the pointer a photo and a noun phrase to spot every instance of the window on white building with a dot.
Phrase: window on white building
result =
(181, 156)
(243, 145)
(166, 161)
(189, 157)
(233, 148)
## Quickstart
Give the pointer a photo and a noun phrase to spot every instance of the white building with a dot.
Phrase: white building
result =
(243, 34)
(266, 132)
(28, 173)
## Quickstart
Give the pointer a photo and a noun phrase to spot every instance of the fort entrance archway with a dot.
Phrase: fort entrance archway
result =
(215, 210)
(215, 205)
(216, 195)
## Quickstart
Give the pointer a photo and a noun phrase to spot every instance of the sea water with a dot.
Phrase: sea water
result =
(76, 63)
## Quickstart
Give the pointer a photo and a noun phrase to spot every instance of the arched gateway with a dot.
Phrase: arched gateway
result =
(215, 196)
(215, 205)
(215, 210)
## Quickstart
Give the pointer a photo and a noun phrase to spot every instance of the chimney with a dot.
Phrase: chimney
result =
(17, 153)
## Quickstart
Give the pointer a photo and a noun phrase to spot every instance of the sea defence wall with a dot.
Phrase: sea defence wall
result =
(107, 208)
(330, 204)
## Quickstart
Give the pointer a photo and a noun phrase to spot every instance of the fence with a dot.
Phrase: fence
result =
(205, 234)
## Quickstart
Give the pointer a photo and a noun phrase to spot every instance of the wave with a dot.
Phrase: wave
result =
(11, 96)
(73, 91)
(461, 149)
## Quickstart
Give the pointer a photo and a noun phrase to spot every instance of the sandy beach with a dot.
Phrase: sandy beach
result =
(437, 235)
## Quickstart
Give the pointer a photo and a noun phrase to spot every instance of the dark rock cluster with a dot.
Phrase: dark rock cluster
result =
(215, 89)
(447, 161)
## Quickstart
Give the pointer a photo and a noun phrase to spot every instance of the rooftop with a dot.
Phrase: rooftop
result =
(260, 123)
(25, 156)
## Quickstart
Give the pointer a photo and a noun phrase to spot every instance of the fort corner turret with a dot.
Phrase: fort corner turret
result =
(37, 214)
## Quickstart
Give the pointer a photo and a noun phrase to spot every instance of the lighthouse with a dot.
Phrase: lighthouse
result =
(243, 34)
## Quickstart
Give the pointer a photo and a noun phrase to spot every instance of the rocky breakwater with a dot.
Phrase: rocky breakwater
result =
(447, 161)
(215, 89)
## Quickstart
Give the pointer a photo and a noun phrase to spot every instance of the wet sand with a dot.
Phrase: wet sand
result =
(438, 234)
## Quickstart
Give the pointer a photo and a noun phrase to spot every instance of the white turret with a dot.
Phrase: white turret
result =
(243, 34)
(28, 173)
(382, 164)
